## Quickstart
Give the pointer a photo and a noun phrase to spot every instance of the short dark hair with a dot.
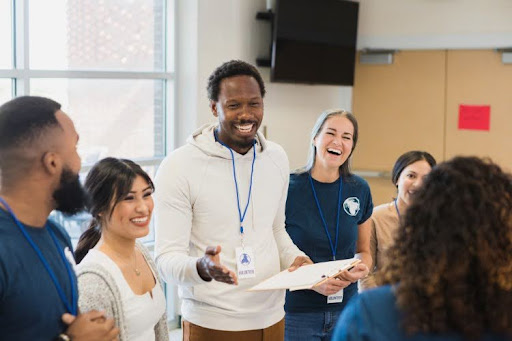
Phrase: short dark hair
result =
(453, 252)
(23, 122)
(107, 183)
(408, 158)
(231, 69)
(24, 119)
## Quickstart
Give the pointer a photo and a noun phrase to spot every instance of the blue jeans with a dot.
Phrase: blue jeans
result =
(310, 326)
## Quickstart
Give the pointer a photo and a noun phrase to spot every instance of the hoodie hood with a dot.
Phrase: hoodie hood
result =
(204, 139)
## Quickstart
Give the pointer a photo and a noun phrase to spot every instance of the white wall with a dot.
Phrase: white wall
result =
(435, 24)
(211, 32)
(227, 29)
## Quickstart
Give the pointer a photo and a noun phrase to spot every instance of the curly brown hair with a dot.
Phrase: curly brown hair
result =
(452, 259)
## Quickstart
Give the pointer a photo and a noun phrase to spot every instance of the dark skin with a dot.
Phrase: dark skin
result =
(239, 105)
(239, 109)
(80, 326)
(31, 200)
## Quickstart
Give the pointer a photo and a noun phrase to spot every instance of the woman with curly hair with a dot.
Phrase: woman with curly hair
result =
(407, 176)
(450, 271)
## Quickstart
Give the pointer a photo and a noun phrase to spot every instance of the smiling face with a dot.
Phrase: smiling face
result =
(334, 143)
(410, 180)
(131, 216)
(240, 112)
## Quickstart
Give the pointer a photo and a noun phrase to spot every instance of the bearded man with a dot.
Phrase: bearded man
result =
(39, 168)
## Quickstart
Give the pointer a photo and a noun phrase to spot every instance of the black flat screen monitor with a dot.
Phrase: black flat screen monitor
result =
(314, 41)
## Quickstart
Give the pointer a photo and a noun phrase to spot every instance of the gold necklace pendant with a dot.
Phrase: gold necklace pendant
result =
(137, 272)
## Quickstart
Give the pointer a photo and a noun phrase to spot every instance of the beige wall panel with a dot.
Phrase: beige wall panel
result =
(480, 78)
(382, 189)
(399, 107)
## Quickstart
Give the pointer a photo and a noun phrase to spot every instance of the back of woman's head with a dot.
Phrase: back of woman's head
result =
(107, 183)
(452, 258)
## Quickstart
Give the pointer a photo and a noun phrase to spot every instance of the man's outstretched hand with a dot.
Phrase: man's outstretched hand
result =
(209, 267)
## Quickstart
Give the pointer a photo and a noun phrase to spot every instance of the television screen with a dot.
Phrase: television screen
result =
(314, 41)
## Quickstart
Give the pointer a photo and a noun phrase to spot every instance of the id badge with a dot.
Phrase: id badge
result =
(245, 263)
(335, 298)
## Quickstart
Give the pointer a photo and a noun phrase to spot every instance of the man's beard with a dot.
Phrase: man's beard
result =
(70, 196)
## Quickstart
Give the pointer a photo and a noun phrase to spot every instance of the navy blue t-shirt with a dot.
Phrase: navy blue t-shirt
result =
(30, 307)
(374, 315)
(307, 231)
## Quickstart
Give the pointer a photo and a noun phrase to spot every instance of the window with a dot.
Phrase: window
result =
(5, 90)
(108, 62)
(5, 36)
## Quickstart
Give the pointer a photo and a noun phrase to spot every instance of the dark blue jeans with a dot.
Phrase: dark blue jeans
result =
(310, 326)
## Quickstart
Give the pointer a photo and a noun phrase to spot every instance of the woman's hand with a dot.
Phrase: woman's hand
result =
(331, 286)
(359, 271)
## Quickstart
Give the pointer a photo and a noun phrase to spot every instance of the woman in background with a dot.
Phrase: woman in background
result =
(449, 275)
(115, 273)
(327, 217)
(407, 175)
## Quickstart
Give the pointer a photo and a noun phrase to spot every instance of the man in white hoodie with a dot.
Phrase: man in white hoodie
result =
(220, 216)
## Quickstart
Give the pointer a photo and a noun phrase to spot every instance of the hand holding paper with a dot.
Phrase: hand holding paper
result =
(306, 277)
(356, 273)
(331, 286)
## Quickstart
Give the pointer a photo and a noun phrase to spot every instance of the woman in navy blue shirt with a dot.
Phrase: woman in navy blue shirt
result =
(327, 215)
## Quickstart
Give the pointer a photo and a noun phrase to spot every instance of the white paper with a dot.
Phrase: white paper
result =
(304, 277)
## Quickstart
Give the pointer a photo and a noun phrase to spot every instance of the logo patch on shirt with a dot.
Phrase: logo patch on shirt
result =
(351, 206)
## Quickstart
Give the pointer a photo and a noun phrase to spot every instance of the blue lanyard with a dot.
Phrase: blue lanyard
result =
(240, 215)
(335, 246)
(71, 308)
(397, 211)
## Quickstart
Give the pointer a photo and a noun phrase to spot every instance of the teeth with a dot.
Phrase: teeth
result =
(139, 220)
(244, 128)
(335, 151)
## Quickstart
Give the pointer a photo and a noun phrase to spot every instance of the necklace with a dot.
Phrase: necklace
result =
(137, 271)
(122, 258)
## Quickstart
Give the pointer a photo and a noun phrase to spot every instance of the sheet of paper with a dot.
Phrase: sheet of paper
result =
(304, 277)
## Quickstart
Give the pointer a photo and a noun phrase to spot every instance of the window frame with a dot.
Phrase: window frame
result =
(20, 75)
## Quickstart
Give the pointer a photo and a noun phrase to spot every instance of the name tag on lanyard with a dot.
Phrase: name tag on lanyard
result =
(245, 263)
(335, 298)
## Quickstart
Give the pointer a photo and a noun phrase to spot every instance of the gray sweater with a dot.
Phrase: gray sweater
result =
(98, 291)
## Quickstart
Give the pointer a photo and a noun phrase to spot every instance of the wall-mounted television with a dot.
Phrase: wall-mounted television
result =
(314, 41)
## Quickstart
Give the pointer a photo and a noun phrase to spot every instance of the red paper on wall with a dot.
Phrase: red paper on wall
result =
(474, 117)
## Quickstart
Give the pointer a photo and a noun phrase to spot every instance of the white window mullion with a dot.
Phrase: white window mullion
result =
(21, 47)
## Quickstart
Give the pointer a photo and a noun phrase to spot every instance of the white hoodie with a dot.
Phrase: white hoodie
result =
(196, 207)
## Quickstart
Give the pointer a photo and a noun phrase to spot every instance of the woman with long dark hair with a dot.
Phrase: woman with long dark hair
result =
(327, 217)
(449, 275)
(407, 176)
(116, 273)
